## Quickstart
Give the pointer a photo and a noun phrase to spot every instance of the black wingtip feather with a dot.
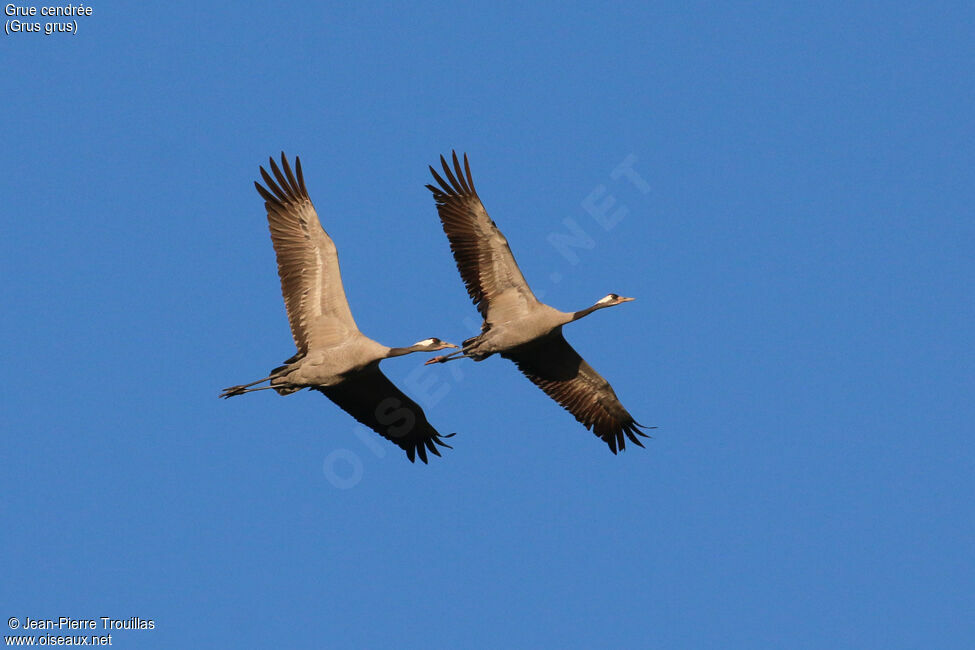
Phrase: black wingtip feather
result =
(616, 440)
(470, 179)
(267, 196)
(439, 440)
(443, 184)
(282, 181)
(461, 181)
(271, 185)
(301, 176)
(455, 182)
(292, 181)
(450, 176)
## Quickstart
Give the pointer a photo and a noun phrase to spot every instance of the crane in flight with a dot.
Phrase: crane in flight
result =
(516, 324)
(333, 356)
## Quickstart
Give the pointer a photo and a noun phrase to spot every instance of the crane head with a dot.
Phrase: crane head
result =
(433, 344)
(613, 299)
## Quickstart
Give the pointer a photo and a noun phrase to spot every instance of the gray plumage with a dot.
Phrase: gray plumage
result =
(516, 324)
(333, 356)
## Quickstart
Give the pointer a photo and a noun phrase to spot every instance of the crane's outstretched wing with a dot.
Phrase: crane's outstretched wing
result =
(308, 263)
(556, 368)
(485, 262)
(372, 399)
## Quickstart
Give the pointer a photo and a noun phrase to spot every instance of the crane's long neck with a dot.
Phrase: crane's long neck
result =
(398, 352)
(585, 312)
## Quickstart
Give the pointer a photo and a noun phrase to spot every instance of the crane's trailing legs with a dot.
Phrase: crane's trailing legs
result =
(240, 390)
(444, 358)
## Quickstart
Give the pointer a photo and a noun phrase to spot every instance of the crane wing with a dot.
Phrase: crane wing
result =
(308, 263)
(485, 262)
(372, 399)
(555, 367)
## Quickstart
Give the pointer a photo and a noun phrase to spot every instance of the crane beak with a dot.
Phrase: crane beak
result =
(450, 345)
(622, 299)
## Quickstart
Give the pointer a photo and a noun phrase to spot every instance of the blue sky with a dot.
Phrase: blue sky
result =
(801, 255)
